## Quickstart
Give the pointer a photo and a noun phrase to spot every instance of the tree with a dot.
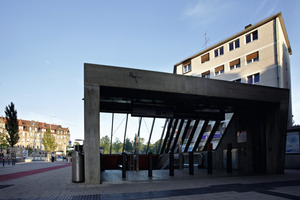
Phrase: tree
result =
(12, 125)
(117, 146)
(105, 144)
(49, 141)
(3, 142)
(128, 145)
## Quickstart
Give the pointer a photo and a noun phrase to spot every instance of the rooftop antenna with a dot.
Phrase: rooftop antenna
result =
(206, 39)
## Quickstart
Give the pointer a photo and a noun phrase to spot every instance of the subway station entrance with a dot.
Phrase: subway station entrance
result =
(202, 116)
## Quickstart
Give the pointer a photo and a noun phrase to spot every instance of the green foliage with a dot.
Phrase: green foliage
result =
(128, 145)
(105, 144)
(49, 141)
(3, 142)
(117, 146)
(12, 125)
(76, 143)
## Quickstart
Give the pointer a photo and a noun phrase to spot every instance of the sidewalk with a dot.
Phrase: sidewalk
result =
(44, 180)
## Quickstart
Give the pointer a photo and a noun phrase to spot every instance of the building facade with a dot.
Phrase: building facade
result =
(32, 132)
(260, 54)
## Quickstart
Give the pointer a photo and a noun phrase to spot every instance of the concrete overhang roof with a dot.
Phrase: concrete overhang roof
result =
(157, 94)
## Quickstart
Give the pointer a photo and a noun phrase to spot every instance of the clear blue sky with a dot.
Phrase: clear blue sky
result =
(44, 44)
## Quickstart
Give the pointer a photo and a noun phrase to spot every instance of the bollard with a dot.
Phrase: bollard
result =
(209, 158)
(229, 158)
(8, 161)
(191, 163)
(124, 164)
(150, 164)
(171, 163)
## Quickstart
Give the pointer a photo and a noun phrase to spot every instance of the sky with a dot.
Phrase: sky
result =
(44, 45)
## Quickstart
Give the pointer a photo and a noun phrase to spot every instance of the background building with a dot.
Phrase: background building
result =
(32, 132)
(260, 54)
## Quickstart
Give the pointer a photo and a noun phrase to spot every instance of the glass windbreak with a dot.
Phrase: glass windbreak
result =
(221, 129)
(185, 140)
(112, 127)
(156, 135)
(197, 132)
(180, 139)
(144, 134)
(206, 135)
(175, 134)
(114, 134)
(163, 135)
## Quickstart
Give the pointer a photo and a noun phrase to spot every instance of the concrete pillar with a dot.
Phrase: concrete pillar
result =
(91, 134)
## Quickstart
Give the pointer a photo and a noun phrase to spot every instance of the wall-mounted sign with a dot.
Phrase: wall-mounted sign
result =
(292, 142)
(152, 112)
(241, 136)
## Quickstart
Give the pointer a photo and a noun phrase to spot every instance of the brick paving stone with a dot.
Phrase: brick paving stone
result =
(57, 184)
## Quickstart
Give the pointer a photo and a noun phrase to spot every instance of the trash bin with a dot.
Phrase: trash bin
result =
(77, 166)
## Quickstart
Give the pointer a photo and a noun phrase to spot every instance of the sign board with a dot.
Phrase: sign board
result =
(25, 153)
(152, 112)
(292, 142)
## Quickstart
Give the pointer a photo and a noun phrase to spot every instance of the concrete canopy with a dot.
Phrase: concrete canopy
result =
(148, 93)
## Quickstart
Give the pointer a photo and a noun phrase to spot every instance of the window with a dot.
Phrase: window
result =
(253, 57)
(253, 78)
(235, 64)
(186, 67)
(219, 70)
(206, 74)
(235, 44)
(252, 36)
(238, 80)
(205, 58)
(219, 51)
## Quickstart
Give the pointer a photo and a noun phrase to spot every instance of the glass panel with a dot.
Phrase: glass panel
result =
(256, 78)
(197, 132)
(255, 35)
(165, 128)
(132, 130)
(221, 51)
(216, 53)
(105, 130)
(250, 81)
(145, 133)
(230, 46)
(221, 129)
(156, 134)
(237, 43)
(185, 140)
(248, 38)
(180, 134)
(176, 132)
(206, 135)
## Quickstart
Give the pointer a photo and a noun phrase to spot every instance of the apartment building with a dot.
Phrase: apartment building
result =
(32, 132)
(260, 54)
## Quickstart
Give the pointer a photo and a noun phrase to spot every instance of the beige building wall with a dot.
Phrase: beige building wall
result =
(32, 132)
(273, 49)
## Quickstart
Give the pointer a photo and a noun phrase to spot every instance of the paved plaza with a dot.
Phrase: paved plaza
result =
(46, 180)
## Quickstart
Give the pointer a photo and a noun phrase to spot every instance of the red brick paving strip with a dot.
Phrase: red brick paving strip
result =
(31, 172)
